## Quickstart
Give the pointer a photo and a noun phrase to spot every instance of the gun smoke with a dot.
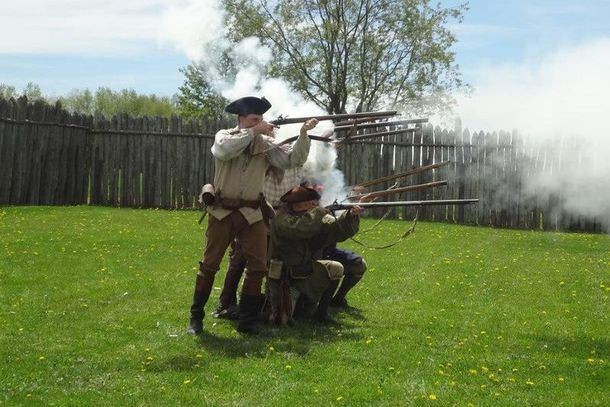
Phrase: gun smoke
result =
(557, 104)
(183, 27)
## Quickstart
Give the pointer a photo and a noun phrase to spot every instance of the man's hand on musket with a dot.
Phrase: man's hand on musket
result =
(264, 128)
(308, 125)
(356, 210)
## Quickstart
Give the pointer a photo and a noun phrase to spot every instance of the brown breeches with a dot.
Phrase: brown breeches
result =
(252, 240)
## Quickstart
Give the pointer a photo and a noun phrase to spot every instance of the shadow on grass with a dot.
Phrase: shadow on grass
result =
(296, 339)
(354, 313)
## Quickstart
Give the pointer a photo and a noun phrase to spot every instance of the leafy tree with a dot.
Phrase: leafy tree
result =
(80, 101)
(104, 101)
(7, 91)
(33, 92)
(108, 103)
(362, 55)
(196, 97)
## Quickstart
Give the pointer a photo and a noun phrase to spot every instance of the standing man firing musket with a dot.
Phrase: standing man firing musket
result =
(242, 156)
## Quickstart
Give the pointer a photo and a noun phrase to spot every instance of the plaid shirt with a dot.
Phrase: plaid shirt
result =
(274, 190)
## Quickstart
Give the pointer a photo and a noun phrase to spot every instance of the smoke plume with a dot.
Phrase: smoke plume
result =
(559, 102)
(198, 29)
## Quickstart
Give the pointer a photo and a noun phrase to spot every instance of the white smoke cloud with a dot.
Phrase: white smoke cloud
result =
(195, 27)
(555, 100)
(202, 43)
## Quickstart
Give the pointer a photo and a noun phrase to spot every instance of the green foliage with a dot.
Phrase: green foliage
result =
(32, 91)
(196, 97)
(94, 306)
(104, 101)
(360, 55)
(108, 103)
(7, 91)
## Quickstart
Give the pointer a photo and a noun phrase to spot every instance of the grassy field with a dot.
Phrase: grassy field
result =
(94, 305)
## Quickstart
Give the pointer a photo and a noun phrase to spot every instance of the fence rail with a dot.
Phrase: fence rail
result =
(51, 157)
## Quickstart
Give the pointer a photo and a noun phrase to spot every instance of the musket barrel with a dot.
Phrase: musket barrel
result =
(394, 123)
(379, 134)
(342, 116)
(403, 174)
(409, 188)
(337, 206)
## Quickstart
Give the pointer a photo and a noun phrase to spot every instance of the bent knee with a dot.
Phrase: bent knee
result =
(334, 268)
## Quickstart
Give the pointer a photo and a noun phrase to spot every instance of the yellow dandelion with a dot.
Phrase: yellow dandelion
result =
(432, 396)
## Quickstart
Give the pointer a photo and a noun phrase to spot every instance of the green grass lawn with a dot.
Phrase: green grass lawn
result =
(94, 305)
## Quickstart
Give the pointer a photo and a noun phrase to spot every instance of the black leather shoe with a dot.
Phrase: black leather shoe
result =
(339, 303)
(324, 319)
(231, 313)
(195, 326)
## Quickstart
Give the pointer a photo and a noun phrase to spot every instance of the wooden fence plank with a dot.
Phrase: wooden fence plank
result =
(473, 164)
(7, 151)
(460, 180)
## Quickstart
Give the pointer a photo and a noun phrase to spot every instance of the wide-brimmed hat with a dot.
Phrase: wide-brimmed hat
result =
(248, 105)
(300, 194)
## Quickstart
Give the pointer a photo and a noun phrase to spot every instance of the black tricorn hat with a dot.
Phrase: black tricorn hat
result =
(248, 105)
(300, 194)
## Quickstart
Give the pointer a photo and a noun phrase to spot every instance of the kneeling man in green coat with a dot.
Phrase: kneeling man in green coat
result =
(299, 233)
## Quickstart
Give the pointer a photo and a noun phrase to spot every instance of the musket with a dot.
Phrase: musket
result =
(360, 121)
(409, 188)
(339, 126)
(403, 174)
(379, 134)
(291, 120)
(347, 205)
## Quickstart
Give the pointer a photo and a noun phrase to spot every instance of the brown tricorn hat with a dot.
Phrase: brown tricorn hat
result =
(300, 194)
(248, 105)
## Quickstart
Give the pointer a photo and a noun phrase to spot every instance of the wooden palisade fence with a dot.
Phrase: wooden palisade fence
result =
(50, 157)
